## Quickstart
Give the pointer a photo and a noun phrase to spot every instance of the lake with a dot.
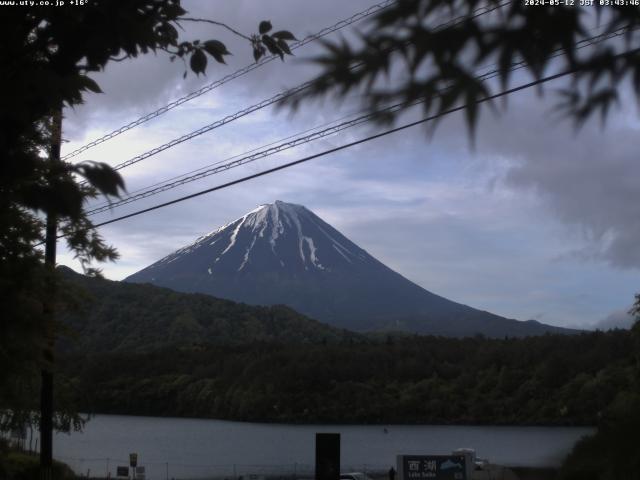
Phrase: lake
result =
(196, 448)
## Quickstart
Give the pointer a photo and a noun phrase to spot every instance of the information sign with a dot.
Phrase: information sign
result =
(431, 467)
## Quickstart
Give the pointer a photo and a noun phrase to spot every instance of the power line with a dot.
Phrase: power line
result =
(238, 73)
(218, 162)
(348, 145)
(342, 147)
(260, 154)
(286, 144)
(271, 101)
(246, 159)
(474, 14)
(254, 154)
(212, 126)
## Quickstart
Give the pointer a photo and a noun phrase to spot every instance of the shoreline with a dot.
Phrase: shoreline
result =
(346, 424)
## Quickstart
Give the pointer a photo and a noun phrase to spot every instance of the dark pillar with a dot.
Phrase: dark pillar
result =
(327, 456)
(46, 387)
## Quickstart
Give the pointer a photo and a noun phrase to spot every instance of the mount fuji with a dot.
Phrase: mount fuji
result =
(283, 253)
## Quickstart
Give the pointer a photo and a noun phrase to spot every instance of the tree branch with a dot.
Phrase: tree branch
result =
(220, 24)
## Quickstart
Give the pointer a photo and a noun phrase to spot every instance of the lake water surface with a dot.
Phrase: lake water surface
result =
(196, 448)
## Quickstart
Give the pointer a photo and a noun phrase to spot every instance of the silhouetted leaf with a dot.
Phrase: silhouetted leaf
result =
(89, 84)
(264, 26)
(216, 46)
(257, 53)
(101, 176)
(271, 45)
(174, 10)
(284, 47)
(283, 35)
(216, 49)
(198, 62)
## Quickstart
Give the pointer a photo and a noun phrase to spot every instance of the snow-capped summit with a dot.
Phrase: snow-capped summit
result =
(280, 236)
(282, 253)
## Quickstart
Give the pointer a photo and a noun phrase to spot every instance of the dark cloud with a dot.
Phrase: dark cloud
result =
(588, 181)
(585, 178)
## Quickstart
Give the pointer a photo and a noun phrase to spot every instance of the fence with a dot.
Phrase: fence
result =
(95, 468)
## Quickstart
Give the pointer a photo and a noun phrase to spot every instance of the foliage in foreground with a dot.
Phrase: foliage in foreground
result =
(435, 49)
(16, 465)
(613, 453)
(47, 55)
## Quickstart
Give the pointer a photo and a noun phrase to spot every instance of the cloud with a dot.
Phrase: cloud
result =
(585, 179)
(589, 183)
(617, 319)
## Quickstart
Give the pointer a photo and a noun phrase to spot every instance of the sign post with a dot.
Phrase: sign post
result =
(133, 463)
(431, 467)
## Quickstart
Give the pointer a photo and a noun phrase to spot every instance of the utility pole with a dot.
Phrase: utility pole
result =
(46, 387)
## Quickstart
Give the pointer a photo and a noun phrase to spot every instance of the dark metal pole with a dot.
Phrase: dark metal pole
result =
(46, 387)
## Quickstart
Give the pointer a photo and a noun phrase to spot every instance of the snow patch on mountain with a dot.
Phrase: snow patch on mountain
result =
(277, 227)
(341, 249)
(241, 221)
(246, 255)
(292, 215)
(312, 253)
(340, 252)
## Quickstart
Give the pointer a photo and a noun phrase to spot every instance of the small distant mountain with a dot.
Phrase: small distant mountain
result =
(116, 316)
(282, 253)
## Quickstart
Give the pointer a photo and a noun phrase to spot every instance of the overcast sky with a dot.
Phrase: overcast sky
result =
(535, 221)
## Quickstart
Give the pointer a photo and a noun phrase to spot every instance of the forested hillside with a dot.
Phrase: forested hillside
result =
(553, 379)
(116, 316)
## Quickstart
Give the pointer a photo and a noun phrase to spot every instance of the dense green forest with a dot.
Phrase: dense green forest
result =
(551, 380)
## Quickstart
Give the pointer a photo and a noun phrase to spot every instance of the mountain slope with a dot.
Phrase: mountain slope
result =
(117, 316)
(282, 253)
